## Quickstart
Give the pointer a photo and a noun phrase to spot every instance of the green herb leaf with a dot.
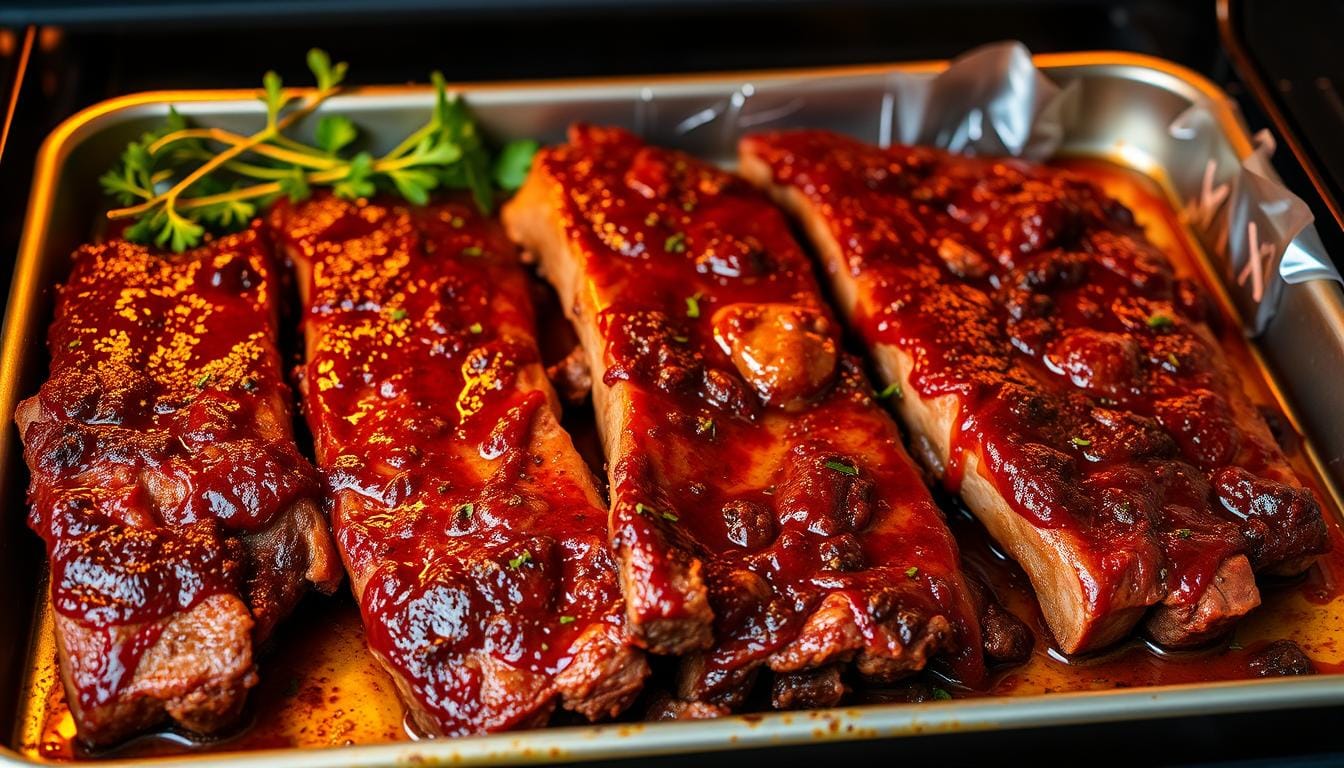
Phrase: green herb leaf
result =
(1081, 442)
(513, 163)
(843, 468)
(911, 572)
(357, 182)
(472, 250)
(273, 97)
(670, 517)
(476, 328)
(941, 695)
(334, 133)
(294, 186)
(398, 314)
(520, 560)
(327, 76)
(466, 510)
(1159, 321)
(414, 185)
(567, 619)
(1184, 533)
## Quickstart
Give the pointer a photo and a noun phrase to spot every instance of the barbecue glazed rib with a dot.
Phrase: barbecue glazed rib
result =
(1060, 375)
(764, 512)
(470, 527)
(178, 514)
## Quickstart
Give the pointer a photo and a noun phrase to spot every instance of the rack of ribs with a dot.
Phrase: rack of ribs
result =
(470, 527)
(764, 513)
(179, 517)
(1060, 374)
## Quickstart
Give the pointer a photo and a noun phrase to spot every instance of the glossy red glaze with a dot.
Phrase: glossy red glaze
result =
(152, 453)
(471, 551)
(760, 448)
(1086, 368)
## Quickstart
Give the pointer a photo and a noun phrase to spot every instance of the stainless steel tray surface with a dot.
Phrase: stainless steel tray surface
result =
(1126, 106)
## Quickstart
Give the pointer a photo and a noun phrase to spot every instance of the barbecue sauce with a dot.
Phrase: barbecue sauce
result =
(321, 688)
(482, 560)
(1088, 372)
(760, 446)
(151, 453)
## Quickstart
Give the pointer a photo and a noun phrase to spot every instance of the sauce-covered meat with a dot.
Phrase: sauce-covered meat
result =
(1078, 368)
(166, 483)
(763, 509)
(471, 529)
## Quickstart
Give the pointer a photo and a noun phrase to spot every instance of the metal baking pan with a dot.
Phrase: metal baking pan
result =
(1127, 102)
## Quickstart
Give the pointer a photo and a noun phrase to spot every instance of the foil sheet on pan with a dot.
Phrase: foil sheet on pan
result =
(994, 101)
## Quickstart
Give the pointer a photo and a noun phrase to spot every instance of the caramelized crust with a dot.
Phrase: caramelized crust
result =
(472, 532)
(177, 512)
(763, 510)
(1060, 375)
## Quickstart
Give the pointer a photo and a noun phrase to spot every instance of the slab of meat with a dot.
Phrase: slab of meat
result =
(470, 527)
(1060, 375)
(178, 514)
(764, 512)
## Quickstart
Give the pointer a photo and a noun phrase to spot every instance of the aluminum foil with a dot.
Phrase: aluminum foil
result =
(994, 101)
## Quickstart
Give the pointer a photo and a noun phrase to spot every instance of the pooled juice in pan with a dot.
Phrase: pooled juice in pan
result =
(321, 688)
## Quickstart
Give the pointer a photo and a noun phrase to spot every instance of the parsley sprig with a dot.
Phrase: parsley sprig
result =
(176, 182)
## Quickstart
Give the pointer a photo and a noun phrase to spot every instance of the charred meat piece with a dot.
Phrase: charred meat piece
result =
(179, 517)
(764, 513)
(473, 535)
(1060, 375)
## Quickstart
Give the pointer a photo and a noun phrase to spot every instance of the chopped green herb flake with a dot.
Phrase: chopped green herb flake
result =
(693, 306)
(73, 343)
(475, 328)
(681, 339)
(912, 572)
(670, 517)
(1171, 358)
(1184, 533)
(472, 250)
(1081, 442)
(398, 314)
(567, 619)
(676, 243)
(466, 510)
(1159, 321)
(205, 379)
(705, 426)
(892, 390)
(843, 468)
(941, 695)
(457, 222)
(517, 562)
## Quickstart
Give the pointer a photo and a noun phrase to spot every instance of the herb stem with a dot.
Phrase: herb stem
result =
(169, 198)
(306, 159)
